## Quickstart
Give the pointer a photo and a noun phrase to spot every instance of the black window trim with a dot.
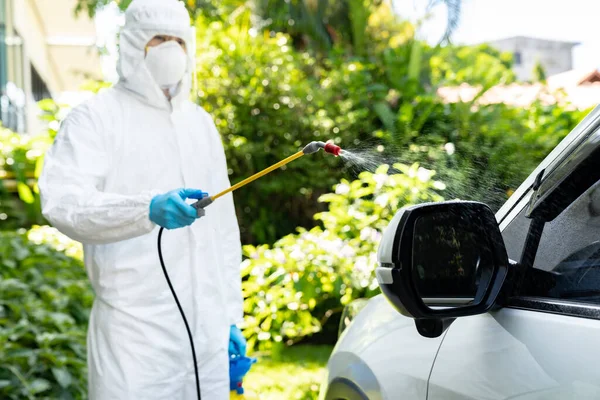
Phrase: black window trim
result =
(555, 306)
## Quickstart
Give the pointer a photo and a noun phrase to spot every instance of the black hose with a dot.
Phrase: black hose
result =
(187, 326)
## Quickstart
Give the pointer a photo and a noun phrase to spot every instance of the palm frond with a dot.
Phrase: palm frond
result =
(454, 13)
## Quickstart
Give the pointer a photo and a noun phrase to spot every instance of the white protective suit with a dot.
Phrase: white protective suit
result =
(112, 155)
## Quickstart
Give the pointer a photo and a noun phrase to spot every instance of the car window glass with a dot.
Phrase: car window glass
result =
(577, 227)
(569, 250)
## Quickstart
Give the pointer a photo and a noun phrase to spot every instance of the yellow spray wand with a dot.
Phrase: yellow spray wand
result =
(312, 147)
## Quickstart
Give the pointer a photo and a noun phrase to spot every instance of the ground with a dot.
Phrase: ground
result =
(295, 375)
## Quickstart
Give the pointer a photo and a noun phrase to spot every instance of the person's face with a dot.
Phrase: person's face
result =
(160, 39)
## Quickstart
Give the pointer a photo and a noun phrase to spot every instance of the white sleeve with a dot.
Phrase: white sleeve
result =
(71, 181)
(229, 233)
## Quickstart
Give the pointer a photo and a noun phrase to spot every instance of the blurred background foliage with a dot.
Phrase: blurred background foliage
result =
(270, 95)
(275, 75)
(44, 309)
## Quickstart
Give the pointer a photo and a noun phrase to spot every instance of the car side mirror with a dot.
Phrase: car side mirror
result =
(441, 261)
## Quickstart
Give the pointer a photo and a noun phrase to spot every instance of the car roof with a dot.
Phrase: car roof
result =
(565, 148)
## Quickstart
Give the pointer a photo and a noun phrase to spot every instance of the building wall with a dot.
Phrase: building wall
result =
(555, 57)
(71, 42)
(48, 52)
(29, 25)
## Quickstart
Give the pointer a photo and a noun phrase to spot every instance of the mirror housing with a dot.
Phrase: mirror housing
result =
(441, 261)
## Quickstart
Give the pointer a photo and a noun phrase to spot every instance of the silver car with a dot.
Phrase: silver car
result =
(482, 306)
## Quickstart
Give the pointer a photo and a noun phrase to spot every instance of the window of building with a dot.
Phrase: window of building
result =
(517, 58)
(3, 57)
(38, 86)
(12, 79)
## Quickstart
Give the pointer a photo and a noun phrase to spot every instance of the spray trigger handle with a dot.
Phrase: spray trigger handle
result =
(201, 204)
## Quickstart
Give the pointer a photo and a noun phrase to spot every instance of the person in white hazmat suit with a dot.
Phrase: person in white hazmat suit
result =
(110, 181)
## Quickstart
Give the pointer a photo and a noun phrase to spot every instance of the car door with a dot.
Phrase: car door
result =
(544, 343)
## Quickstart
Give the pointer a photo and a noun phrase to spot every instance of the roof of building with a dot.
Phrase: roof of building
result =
(569, 43)
(574, 89)
(574, 77)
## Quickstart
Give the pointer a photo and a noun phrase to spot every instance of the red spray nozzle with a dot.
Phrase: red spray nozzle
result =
(332, 149)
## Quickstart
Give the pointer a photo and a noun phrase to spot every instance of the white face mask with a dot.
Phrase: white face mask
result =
(167, 63)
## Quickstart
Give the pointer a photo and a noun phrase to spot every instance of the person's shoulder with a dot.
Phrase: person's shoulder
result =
(100, 108)
(105, 100)
(205, 121)
(201, 115)
(200, 112)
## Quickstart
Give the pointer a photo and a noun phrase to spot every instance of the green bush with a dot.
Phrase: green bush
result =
(269, 98)
(481, 152)
(44, 310)
(479, 65)
(485, 155)
(268, 103)
(20, 164)
(294, 286)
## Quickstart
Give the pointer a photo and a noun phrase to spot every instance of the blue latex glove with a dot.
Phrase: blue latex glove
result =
(170, 210)
(237, 342)
(238, 368)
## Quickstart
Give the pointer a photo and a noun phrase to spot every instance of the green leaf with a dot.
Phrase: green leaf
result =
(20, 353)
(4, 383)
(61, 319)
(63, 377)
(359, 16)
(39, 165)
(47, 105)
(377, 88)
(386, 115)
(416, 55)
(39, 386)
(25, 193)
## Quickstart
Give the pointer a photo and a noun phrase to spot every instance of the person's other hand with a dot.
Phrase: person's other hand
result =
(237, 342)
(170, 210)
